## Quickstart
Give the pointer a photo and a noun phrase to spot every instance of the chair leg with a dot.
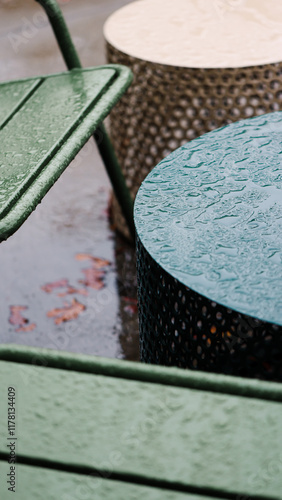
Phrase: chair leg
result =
(116, 177)
(104, 145)
(61, 33)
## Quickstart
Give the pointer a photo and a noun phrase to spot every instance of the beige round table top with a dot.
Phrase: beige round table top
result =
(199, 33)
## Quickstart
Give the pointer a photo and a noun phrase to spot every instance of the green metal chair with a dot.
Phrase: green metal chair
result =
(45, 121)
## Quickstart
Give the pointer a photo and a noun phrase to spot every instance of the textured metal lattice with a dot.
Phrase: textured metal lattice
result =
(200, 334)
(166, 106)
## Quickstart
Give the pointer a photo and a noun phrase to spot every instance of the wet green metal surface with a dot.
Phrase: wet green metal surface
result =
(47, 131)
(13, 94)
(197, 440)
(210, 214)
(44, 484)
(36, 132)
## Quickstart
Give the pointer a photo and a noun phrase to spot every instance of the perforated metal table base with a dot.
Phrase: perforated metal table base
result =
(179, 327)
(209, 253)
(177, 94)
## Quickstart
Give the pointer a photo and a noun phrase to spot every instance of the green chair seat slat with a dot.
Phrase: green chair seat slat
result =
(44, 122)
(13, 95)
(37, 483)
(47, 131)
(200, 440)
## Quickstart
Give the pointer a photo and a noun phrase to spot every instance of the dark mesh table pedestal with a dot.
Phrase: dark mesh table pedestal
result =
(209, 248)
(179, 327)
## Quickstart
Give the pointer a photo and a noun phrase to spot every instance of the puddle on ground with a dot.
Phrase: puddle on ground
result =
(68, 281)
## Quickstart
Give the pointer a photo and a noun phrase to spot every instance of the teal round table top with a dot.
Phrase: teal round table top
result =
(210, 214)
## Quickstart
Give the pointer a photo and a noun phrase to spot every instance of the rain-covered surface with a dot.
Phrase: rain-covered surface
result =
(67, 281)
(221, 234)
(54, 109)
(187, 437)
(199, 33)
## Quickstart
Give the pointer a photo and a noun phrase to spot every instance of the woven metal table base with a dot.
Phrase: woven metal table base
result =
(166, 106)
(179, 327)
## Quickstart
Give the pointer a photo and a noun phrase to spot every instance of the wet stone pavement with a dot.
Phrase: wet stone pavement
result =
(67, 281)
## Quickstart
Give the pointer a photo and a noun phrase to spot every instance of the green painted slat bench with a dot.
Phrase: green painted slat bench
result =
(43, 484)
(89, 427)
(45, 121)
